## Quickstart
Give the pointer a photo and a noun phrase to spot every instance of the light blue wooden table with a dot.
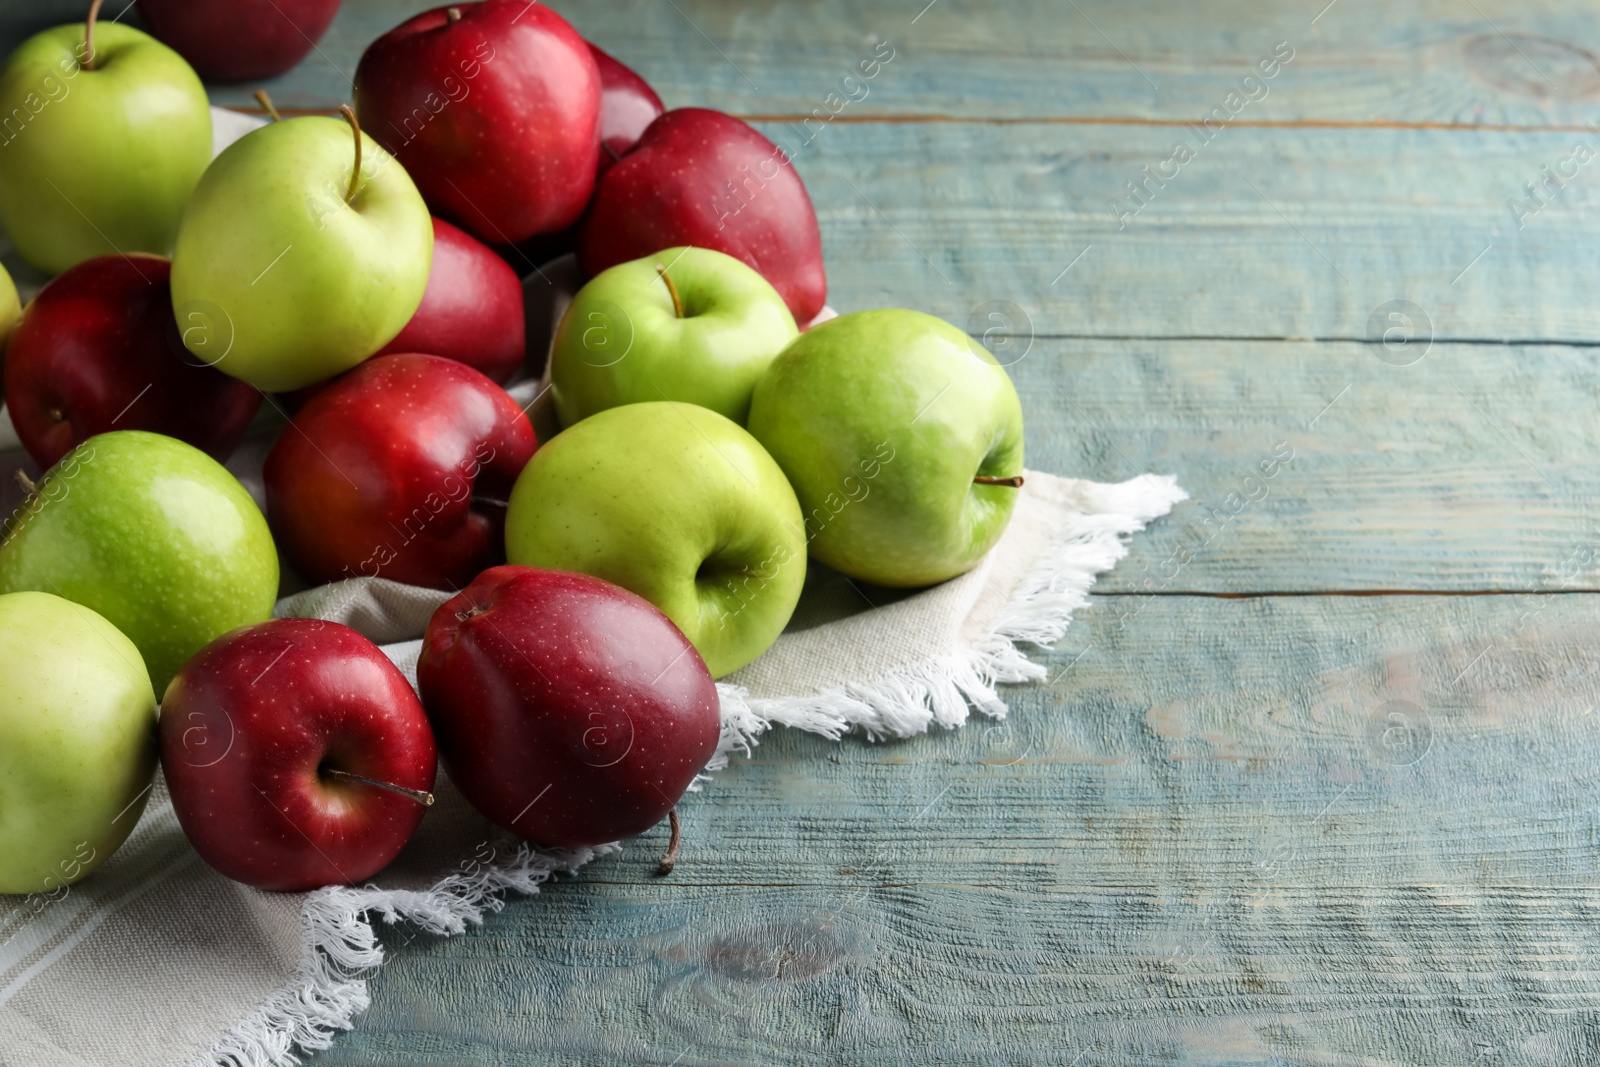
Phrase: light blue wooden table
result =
(1313, 783)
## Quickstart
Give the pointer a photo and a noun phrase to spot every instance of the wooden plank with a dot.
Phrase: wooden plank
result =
(1498, 62)
(1318, 467)
(1265, 233)
(1263, 831)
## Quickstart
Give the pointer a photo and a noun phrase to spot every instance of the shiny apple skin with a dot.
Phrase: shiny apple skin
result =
(567, 709)
(627, 107)
(239, 40)
(248, 725)
(471, 311)
(495, 115)
(398, 469)
(677, 186)
(99, 346)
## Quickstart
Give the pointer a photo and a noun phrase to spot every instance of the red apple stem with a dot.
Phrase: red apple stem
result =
(266, 102)
(1015, 481)
(88, 34)
(25, 483)
(420, 796)
(355, 175)
(677, 305)
(670, 860)
(453, 13)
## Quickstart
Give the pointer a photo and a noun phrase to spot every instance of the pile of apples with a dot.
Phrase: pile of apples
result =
(362, 272)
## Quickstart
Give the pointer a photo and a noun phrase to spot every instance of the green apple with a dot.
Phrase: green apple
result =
(153, 534)
(97, 154)
(678, 504)
(281, 275)
(687, 324)
(77, 741)
(10, 307)
(882, 420)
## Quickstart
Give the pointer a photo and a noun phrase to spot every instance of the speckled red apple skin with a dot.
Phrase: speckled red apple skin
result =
(495, 115)
(568, 710)
(392, 471)
(245, 727)
(471, 311)
(700, 177)
(99, 346)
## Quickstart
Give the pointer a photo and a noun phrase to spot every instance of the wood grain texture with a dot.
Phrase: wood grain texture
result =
(1278, 831)
(1264, 234)
(1321, 467)
(1495, 63)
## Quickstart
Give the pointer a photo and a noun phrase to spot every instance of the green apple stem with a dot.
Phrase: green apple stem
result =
(355, 127)
(88, 34)
(1015, 481)
(420, 796)
(677, 305)
(670, 860)
(266, 102)
(25, 483)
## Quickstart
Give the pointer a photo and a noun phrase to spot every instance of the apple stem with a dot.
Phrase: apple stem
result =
(453, 13)
(670, 860)
(88, 35)
(612, 152)
(677, 305)
(355, 175)
(420, 796)
(25, 483)
(471, 613)
(266, 102)
(1015, 481)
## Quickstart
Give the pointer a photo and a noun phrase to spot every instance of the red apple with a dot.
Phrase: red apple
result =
(471, 311)
(568, 710)
(493, 108)
(627, 106)
(239, 40)
(700, 177)
(296, 754)
(398, 469)
(98, 349)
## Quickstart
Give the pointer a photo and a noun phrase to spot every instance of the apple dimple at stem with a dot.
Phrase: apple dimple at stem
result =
(421, 796)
